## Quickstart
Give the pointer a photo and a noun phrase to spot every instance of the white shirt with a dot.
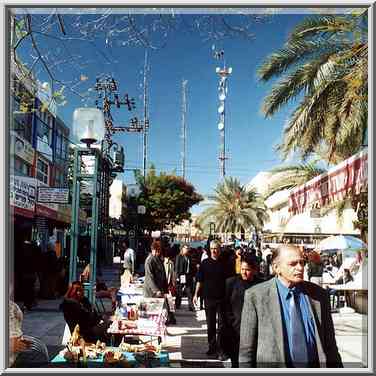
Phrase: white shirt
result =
(129, 256)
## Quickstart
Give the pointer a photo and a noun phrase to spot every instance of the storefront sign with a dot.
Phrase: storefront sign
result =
(21, 148)
(350, 175)
(22, 192)
(54, 195)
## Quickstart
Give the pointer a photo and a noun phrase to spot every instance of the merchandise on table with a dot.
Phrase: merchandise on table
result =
(113, 356)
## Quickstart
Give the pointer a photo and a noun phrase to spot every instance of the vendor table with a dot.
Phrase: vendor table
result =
(151, 321)
(131, 360)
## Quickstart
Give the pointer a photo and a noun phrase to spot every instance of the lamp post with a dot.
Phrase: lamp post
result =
(88, 127)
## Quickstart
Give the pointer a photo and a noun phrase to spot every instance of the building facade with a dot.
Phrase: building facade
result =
(39, 143)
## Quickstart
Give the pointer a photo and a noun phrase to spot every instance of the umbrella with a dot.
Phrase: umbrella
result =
(342, 242)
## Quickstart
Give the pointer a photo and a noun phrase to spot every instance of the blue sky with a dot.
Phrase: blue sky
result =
(250, 137)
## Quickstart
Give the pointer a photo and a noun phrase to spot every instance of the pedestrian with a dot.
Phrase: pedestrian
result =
(184, 270)
(155, 285)
(171, 278)
(234, 297)
(129, 257)
(286, 321)
(211, 280)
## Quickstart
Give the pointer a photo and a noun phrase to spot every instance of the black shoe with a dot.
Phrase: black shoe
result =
(211, 352)
(223, 357)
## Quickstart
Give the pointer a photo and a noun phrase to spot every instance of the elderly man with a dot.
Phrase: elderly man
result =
(211, 279)
(286, 321)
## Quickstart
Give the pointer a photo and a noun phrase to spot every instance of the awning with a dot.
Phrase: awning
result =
(349, 175)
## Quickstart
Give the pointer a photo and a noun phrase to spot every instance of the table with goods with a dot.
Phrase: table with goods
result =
(79, 353)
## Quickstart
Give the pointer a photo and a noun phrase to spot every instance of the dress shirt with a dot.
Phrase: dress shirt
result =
(308, 321)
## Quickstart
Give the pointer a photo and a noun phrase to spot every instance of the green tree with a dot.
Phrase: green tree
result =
(323, 65)
(167, 199)
(234, 209)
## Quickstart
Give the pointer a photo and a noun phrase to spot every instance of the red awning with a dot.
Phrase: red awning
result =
(349, 175)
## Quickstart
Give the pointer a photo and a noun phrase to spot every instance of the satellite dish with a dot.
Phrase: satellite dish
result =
(230, 70)
(217, 70)
(222, 96)
(221, 126)
(221, 109)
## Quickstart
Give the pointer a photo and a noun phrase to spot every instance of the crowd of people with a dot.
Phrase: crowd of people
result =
(286, 320)
(260, 309)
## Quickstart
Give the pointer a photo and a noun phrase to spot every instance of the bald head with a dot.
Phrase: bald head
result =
(288, 264)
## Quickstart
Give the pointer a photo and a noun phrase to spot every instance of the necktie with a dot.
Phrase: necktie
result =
(299, 350)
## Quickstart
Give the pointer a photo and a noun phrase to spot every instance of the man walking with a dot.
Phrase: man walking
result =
(286, 321)
(184, 274)
(211, 279)
(235, 288)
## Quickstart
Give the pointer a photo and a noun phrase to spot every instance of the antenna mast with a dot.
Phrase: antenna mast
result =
(146, 121)
(184, 127)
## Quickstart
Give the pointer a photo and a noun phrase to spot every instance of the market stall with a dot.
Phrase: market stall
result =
(79, 353)
(139, 316)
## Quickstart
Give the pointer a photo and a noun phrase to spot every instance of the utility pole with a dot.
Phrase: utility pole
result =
(145, 134)
(184, 127)
(223, 74)
(108, 92)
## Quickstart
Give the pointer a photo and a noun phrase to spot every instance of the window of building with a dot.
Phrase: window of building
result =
(21, 121)
(60, 179)
(44, 130)
(42, 170)
(20, 167)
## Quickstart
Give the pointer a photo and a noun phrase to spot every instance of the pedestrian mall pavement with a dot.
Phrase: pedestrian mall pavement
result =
(186, 341)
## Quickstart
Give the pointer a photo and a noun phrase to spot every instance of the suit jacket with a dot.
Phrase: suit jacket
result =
(155, 277)
(261, 330)
(181, 267)
(234, 298)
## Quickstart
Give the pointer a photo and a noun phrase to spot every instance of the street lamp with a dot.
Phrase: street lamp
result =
(89, 128)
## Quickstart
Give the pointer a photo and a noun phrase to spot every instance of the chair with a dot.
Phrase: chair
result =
(37, 346)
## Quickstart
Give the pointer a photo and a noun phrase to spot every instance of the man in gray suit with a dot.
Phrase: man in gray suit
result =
(155, 285)
(286, 321)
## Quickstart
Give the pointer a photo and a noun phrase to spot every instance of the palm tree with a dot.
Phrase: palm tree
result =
(288, 177)
(234, 209)
(323, 64)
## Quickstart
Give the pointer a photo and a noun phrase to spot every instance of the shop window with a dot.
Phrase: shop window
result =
(42, 171)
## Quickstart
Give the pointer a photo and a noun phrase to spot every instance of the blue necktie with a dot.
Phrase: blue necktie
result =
(299, 349)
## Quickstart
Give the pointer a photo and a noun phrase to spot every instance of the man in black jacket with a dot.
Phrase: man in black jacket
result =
(184, 270)
(211, 279)
(234, 298)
